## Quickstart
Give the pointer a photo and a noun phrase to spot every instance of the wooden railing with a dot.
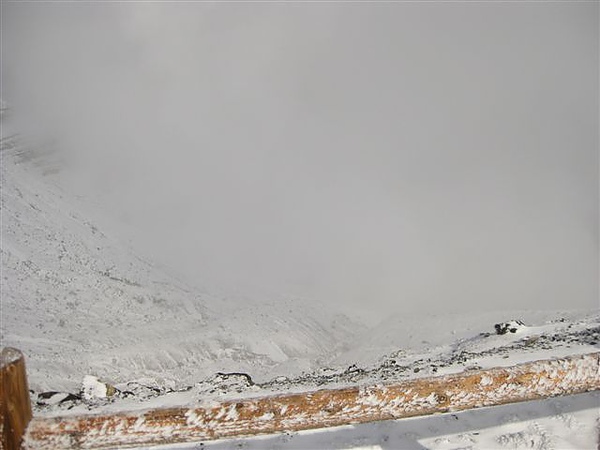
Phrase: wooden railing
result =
(293, 412)
(15, 407)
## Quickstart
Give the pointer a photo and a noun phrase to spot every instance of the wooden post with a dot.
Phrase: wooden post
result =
(15, 406)
(319, 409)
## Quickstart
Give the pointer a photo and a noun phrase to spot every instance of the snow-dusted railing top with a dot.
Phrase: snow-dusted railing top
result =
(323, 408)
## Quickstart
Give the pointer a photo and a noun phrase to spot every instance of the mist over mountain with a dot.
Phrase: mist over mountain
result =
(391, 157)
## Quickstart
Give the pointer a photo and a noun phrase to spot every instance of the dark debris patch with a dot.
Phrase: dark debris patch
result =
(509, 327)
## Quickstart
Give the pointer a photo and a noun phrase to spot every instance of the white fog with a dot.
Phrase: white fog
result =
(400, 156)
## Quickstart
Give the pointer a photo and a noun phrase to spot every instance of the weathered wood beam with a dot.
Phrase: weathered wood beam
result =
(15, 406)
(319, 409)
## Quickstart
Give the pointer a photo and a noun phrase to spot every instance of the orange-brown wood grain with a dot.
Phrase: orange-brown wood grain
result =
(319, 409)
(15, 405)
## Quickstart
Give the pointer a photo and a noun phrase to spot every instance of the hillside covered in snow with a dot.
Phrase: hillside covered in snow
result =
(79, 301)
(84, 306)
(205, 202)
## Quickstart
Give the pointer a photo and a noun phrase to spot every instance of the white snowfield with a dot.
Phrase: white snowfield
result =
(82, 305)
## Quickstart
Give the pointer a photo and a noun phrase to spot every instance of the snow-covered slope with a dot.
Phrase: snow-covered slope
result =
(471, 334)
(560, 423)
(79, 301)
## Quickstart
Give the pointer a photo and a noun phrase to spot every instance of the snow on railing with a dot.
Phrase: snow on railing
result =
(301, 411)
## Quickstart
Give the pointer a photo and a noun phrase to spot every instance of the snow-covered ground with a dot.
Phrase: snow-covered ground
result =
(80, 303)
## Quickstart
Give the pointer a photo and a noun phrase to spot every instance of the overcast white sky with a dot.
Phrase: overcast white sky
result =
(389, 156)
